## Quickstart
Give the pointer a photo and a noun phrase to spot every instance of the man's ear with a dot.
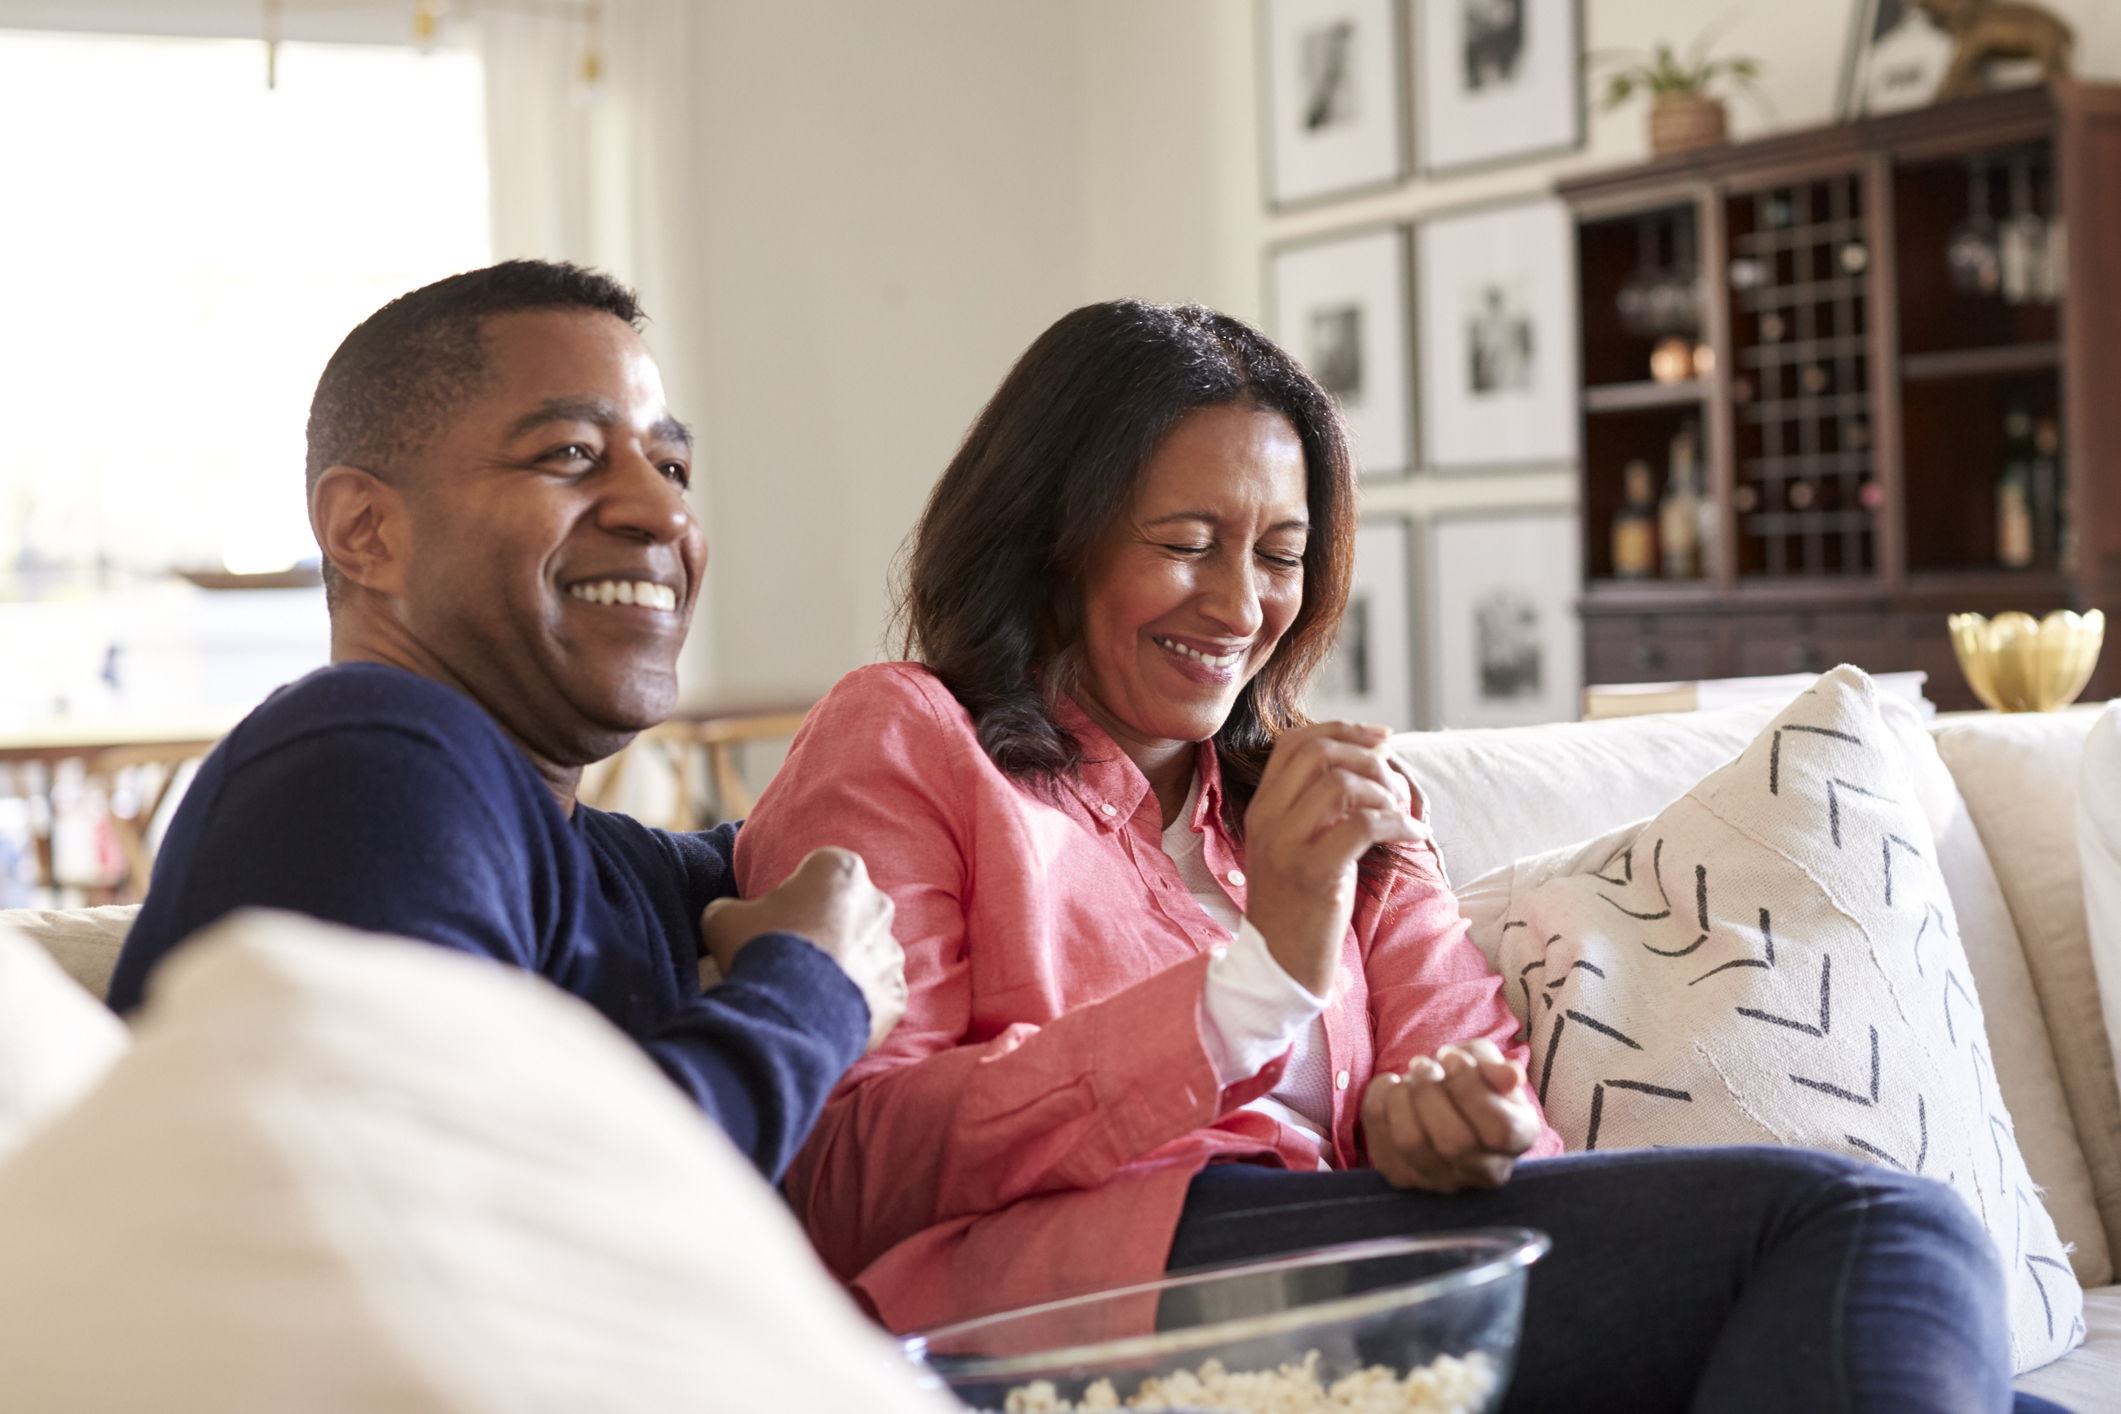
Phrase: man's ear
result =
(363, 529)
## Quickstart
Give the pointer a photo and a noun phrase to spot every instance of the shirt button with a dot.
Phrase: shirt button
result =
(1236, 878)
(1109, 809)
(1340, 1081)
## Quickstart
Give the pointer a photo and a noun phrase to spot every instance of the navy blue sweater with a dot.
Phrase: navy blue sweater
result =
(372, 797)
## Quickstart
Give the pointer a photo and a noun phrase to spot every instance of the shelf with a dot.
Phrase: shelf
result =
(1629, 397)
(1973, 363)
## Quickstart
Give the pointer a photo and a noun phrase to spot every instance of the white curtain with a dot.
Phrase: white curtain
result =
(603, 174)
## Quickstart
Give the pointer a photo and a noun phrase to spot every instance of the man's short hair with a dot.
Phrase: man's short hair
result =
(397, 378)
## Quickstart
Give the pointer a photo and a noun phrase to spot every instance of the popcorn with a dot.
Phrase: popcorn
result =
(1446, 1385)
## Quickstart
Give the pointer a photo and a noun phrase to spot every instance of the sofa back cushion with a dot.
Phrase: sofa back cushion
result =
(2099, 852)
(346, 1173)
(2018, 774)
(83, 941)
(56, 1041)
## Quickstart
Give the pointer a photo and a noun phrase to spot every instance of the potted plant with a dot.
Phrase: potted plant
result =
(1683, 115)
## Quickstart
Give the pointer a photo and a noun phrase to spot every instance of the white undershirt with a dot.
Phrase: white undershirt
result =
(1252, 1009)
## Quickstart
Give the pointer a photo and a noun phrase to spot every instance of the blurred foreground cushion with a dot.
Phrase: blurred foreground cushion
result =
(1775, 959)
(346, 1173)
(56, 1041)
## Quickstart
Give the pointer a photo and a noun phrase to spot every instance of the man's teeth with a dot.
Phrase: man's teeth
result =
(1225, 660)
(620, 591)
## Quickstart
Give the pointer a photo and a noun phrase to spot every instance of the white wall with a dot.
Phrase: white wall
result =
(894, 200)
(888, 215)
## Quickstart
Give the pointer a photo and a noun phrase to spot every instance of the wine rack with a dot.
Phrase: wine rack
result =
(1804, 499)
(1897, 357)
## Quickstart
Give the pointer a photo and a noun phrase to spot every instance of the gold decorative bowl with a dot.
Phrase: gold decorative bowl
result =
(2016, 663)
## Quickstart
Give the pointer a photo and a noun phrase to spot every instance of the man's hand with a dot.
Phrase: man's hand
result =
(1456, 1121)
(830, 901)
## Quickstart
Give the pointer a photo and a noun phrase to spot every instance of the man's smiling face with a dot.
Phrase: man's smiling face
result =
(554, 561)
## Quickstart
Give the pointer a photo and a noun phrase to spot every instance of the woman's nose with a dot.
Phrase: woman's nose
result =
(1233, 600)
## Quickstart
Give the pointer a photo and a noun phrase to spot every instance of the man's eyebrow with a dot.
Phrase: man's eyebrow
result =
(669, 429)
(602, 412)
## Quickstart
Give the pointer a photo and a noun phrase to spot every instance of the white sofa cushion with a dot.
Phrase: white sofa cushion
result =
(347, 1173)
(1555, 786)
(2099, 854)
(1775, 959)
(2018, 774)
(84, 941)
(56, 1041)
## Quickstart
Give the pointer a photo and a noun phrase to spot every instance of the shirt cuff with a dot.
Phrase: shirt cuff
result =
(1251, 1011)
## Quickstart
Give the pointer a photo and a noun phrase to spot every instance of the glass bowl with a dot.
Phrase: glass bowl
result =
(1438, 1316)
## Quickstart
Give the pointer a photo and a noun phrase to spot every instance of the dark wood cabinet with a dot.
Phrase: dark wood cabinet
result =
(1869, 319)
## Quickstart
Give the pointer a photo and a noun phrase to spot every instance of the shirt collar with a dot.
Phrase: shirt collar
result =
(1109, 778)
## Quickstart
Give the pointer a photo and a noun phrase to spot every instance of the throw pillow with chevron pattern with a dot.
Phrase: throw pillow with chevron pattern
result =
(1774, 960)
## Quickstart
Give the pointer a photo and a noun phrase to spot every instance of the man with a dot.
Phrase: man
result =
(498, 491)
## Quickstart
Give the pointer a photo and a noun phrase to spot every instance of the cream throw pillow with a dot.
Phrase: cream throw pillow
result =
(56, 1041)
(347, 1173)
(1773, 959)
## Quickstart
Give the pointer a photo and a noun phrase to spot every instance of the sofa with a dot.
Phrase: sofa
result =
(2008, 850)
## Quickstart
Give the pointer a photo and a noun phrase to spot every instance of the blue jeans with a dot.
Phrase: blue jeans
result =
(1736, 1279)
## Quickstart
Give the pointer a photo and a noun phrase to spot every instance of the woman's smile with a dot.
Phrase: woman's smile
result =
(1212, 666)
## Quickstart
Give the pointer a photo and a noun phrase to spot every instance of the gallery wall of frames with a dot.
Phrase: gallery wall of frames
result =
(1450, 338)
(1755, 408)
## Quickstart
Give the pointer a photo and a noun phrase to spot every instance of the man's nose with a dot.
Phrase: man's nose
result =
(642, 502)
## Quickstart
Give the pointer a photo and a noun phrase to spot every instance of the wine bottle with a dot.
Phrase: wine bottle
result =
(2047, 493)
(1635, 525)
(1679, 514)
(2014, 511)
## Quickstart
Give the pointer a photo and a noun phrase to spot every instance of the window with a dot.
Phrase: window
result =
(183, 249)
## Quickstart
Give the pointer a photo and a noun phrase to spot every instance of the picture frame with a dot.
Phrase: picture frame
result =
(1505, 645)
(1370, 674)
(1340, 304)
(1334, 103)
(1895, 59)
(1498, 81)
(1496, 324)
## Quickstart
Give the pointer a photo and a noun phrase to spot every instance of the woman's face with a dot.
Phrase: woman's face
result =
(1190, 590)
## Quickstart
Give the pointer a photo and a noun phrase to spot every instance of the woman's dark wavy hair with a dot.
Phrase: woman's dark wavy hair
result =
(989, 599)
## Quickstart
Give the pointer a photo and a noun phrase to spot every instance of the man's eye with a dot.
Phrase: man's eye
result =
(572, 452)
(1189, 549)
(678, 472)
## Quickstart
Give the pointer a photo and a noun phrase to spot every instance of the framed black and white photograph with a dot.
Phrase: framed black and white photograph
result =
(1370, 675)
(1504, 645)
(1496, 315)
(1335, 98)
(1340, 305)
(1498, 80)
(1896, 58)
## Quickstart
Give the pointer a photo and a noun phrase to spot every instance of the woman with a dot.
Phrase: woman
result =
(1187, 983)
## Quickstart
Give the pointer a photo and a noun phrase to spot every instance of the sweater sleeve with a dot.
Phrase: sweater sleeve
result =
(760, 1053)
(946, 1120)
(390, 830)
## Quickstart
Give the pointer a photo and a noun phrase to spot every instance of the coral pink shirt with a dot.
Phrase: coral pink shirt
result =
(1031, 1126)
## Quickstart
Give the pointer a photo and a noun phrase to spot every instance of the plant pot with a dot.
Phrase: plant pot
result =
(1681, 122)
